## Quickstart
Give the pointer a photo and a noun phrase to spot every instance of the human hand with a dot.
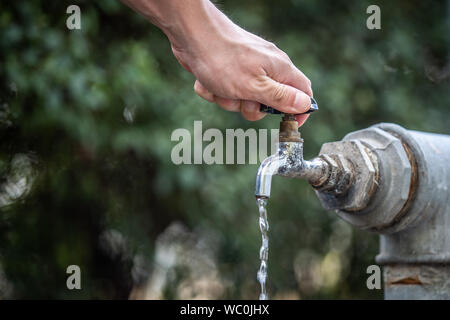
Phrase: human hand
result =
(234, 68)
(239, 70)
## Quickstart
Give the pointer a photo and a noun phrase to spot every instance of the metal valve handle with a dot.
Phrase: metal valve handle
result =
(267, 109)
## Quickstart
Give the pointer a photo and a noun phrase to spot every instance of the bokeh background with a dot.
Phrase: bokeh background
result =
(85, 173)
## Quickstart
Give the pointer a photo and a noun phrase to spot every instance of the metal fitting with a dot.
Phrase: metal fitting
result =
(289, 129)
(339, 177)
(355, 175)
(331, 174)
(288, 161)
(395, 171)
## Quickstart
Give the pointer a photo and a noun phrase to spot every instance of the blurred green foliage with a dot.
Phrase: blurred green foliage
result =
(65, 97)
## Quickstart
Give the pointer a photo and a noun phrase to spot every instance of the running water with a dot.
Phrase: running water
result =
(264, 251)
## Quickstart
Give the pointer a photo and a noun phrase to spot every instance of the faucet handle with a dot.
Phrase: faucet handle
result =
(267, 109)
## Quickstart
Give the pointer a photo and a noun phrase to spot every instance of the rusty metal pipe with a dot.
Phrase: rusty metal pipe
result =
(421, 249)
(403, 194)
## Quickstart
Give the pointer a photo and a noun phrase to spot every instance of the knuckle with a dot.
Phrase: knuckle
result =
(279, 93)
(197, 89)
(254, 87)
(278, 52)
(285, 56)
(250, 114)
(272, 46)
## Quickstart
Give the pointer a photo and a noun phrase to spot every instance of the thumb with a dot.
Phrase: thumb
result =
(283, 97)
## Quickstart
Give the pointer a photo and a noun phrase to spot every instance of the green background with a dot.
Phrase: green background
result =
(105, 195)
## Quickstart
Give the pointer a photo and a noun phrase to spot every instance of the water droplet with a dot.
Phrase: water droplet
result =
(129, 113)
(263, 296)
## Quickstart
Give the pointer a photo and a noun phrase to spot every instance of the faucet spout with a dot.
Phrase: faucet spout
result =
(268, 168)
(288, 162)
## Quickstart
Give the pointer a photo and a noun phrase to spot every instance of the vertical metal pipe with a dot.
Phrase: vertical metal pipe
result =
(409, 207)
(416, 260)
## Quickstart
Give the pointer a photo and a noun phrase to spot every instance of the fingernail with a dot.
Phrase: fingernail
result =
(299, 102)
(251, 107)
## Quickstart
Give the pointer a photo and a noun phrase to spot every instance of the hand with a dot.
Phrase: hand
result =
(234, 68)
(239, 70)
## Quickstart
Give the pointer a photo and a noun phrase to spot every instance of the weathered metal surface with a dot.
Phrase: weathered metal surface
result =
(363, 172)
(426, 238)
(410, 208)
(388, 180)
(416, 282)
(415, 207)
(394, 181)
(289, 130)
(288, 161)
(333, 172)
(346, 171)
(339, 177)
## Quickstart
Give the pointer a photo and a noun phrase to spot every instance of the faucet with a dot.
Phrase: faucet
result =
(329, 174)
(288, 161)
(384, 179)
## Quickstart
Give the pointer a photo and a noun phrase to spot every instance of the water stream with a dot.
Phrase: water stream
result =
(264, 250)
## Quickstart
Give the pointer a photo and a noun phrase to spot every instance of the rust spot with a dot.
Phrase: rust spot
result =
(413, 184)
(374, 160)
(407, 281)
(289, 130)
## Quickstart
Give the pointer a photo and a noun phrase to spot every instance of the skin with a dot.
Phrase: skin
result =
(234, 68)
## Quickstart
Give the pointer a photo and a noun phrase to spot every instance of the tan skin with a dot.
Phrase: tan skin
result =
(234, 68)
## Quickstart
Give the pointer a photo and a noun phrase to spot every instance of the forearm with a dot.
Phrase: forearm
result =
(185, 22)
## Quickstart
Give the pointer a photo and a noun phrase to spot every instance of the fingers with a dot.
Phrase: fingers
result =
(233, 105)
(203, 92)
(250, 110)
(298, 80)
(301, 119)
(280, 96)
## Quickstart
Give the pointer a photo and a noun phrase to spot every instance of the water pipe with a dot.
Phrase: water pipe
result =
(383, 179)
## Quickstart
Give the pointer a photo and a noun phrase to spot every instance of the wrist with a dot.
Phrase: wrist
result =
(190, 30)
